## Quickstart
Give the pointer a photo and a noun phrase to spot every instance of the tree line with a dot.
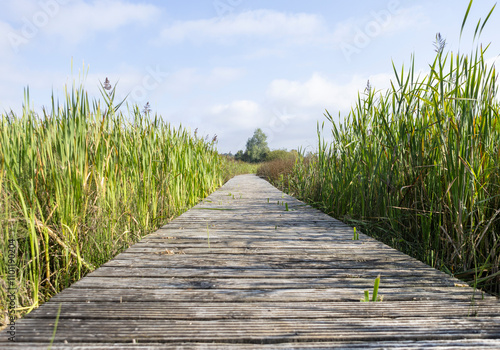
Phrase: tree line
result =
(258, 151)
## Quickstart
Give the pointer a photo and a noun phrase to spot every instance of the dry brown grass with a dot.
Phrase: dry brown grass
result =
(277, 171)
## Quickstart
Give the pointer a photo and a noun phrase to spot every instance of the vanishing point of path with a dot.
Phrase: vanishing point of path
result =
(240, 271)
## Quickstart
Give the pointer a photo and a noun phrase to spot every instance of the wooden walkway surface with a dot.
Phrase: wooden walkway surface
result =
(240, 271)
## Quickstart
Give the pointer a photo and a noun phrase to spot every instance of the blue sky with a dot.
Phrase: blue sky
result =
(227, 67)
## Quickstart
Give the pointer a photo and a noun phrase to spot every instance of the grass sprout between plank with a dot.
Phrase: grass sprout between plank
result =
(355, 236)
(375, 296)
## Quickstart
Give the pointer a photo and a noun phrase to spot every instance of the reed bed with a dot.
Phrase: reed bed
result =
(82, 182)
(418, 165)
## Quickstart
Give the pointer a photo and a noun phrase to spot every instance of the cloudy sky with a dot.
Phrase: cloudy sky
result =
(227, 67)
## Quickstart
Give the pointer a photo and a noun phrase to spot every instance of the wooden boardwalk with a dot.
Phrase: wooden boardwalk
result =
(240, 271)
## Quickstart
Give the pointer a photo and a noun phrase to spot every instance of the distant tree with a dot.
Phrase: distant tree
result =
(257, 147)
(239, 155)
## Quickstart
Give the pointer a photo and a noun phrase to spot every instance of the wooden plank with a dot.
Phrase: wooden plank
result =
(258, 331)
(465, 344)
(171, 250)
(270, 279)
(358, 283)
(255, 243)
(261, 261)
(403, 274)
(264, 310)
(261, 295)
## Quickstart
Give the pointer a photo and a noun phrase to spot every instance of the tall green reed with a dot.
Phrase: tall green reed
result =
(419, 165)
(82, 182)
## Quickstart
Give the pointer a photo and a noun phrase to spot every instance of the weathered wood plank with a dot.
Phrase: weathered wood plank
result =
(262, 261)
(372, 345)
(270, 279)
(264, 310)
(258, 283)
(401, 274)
(261, 295)
(261, 331)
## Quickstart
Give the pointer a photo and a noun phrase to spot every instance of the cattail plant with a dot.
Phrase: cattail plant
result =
(82, 182)
(418, 165)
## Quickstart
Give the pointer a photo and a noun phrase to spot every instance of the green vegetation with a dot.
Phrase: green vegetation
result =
(375, 296)
(355, 236)
(233, 167)
(83, 182)
(55, 327)
(256, 150)
(418, 166)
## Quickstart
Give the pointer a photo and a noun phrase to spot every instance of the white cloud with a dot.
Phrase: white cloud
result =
(493, 61)
(391, 20)
(181, 81)
(233, 122)
(320, 93)
(76, 20)
(222, 75)
(382, 81)
(187, 79)
(20, 8)
(240, 114)
(249, 24)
